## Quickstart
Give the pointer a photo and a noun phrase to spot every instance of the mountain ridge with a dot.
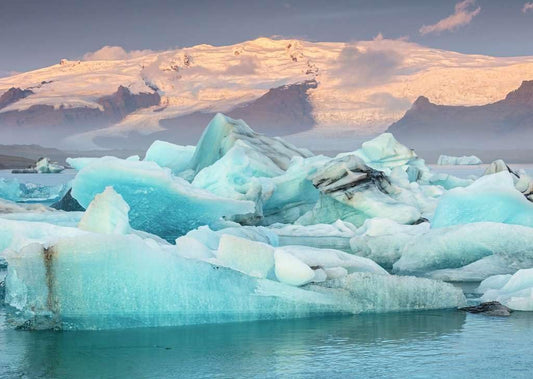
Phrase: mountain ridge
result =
(350, 93)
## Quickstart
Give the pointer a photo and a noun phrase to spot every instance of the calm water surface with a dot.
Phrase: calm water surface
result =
(437, 344)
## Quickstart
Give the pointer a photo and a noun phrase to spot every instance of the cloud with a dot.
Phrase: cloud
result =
(246, 66)
(527, 7)
(463, 15)
(365, 68)
(111, 53)
(388, 101)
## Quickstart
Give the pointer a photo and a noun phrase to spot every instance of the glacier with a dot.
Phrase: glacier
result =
(248, 227)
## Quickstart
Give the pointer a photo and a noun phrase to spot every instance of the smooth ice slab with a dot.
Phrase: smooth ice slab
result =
(160, 203)
(251, 257)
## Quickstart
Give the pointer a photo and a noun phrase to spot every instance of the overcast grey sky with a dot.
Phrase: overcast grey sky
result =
(37, 33)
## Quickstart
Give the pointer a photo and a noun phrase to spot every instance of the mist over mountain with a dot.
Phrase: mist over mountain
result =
(505, 126)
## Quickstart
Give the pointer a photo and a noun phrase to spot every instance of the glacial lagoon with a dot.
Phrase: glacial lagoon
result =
(151, 279)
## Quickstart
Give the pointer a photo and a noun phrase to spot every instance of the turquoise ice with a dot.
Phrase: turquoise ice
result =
(159, 202)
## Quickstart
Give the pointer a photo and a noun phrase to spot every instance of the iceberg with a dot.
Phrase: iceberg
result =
(353, 192)
(384, 240)
(107, 213)
(44, 166)
(458, 246)
(167, 154)
(247, 227)
(522, 181)
(453, 161)
(223, 132)
(385, 152)
(515, 292)
(12, 189)
(159, 202)
(491, 198)
(101, 281)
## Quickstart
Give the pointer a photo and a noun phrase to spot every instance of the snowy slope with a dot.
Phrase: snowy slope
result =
(363, 86)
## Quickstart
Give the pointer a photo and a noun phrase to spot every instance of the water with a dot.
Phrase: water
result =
(438, 344)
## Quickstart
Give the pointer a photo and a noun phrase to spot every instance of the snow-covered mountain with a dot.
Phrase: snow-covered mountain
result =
(279, 86)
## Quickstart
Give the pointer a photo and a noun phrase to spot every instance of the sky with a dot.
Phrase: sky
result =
(38, 33)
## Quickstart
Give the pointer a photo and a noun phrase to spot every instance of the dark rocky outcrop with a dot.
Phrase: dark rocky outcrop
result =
(13, 95)
(491, 308)
(280, 111)
(123, 102)
(68, 203)
(502, 127)
(14, 162)
(66, 120)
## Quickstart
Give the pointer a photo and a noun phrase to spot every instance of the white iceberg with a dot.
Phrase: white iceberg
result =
(453, 161)
(515, 292)
(44, 166)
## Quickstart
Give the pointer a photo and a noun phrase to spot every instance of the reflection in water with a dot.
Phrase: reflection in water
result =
(266, 347)
(435, 343)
